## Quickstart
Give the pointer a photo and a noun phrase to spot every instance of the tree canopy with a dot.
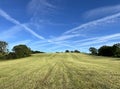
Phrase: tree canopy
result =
(21, 51)
(113, 51)
(93, 50)
(3, 46)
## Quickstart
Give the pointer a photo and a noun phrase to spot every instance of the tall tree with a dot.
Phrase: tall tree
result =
(3, 46)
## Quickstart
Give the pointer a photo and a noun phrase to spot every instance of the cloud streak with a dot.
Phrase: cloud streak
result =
(98, 40)
(63, 40)
(12, 31)
(107, 19)
(9, 18)
(40, 7)
(102, 11)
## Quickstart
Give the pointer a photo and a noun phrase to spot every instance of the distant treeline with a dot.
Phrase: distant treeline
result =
(68, 51)
(110, 51)
(75, 51)
(18, 51)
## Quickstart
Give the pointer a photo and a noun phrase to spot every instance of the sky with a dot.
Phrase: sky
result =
(58, 25)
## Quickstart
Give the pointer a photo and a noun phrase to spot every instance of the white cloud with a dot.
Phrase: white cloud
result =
(9, 18)
(38, 7)
(105, 20)
(63, 40)
(98, 40)
(64, 37)
(10, 33)
(102, 11)
(24, 42)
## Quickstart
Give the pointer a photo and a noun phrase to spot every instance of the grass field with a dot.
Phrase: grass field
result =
(60, 71)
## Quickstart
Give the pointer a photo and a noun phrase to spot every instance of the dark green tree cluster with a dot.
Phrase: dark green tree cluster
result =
(111, 51)
(19, 51)
(93, 51)
(75, 51)
(34, 52)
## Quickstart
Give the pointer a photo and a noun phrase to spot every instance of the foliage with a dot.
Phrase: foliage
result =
(106, 51)
(93, 50)
(76, 51)
(116, 48)
(111, 51)
(3, 46)
(67, 51)
(34, 52)
(21, 51)
(11, 55)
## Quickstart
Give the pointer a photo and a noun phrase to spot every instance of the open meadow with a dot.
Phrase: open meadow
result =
(60, 71)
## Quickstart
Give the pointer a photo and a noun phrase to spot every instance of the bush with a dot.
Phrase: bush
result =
(11, 55)
(67, 51)
(93, 51)
(21, 51)
(106, 51)
(76, 51)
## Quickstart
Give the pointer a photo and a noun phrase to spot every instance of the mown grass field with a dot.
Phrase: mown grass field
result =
(60, 71)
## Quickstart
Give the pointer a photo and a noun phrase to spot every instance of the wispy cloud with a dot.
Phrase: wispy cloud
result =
(102, 11)
(11, 31)
(41, 11)
(9, 18)
(40, 7)
(63, 40)
(98, 40)
(105, 20)
(65, 37)
(25, 42)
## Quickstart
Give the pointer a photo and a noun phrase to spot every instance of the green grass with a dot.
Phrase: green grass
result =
(60, 71)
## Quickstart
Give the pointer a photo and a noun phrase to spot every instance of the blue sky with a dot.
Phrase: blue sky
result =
(57, 25)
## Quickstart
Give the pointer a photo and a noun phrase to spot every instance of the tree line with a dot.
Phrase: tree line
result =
(18, 51)
(110, 51)
(75, 51)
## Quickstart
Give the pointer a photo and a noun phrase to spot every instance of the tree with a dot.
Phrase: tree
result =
(117, 45)
(116, 49)
(93, 50)
(11, 55)
(67, 51)
(21, 51)
(34, 52)
(106, 51)
(76, 51)
(3, 46)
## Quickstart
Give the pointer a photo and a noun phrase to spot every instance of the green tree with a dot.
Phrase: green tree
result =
(116, 49)
(106, 51)
(67, 51)
(21, 51)
(76, 51)
(3, 46)
(93, 51)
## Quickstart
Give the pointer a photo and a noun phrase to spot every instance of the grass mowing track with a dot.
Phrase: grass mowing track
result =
(60, 71)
